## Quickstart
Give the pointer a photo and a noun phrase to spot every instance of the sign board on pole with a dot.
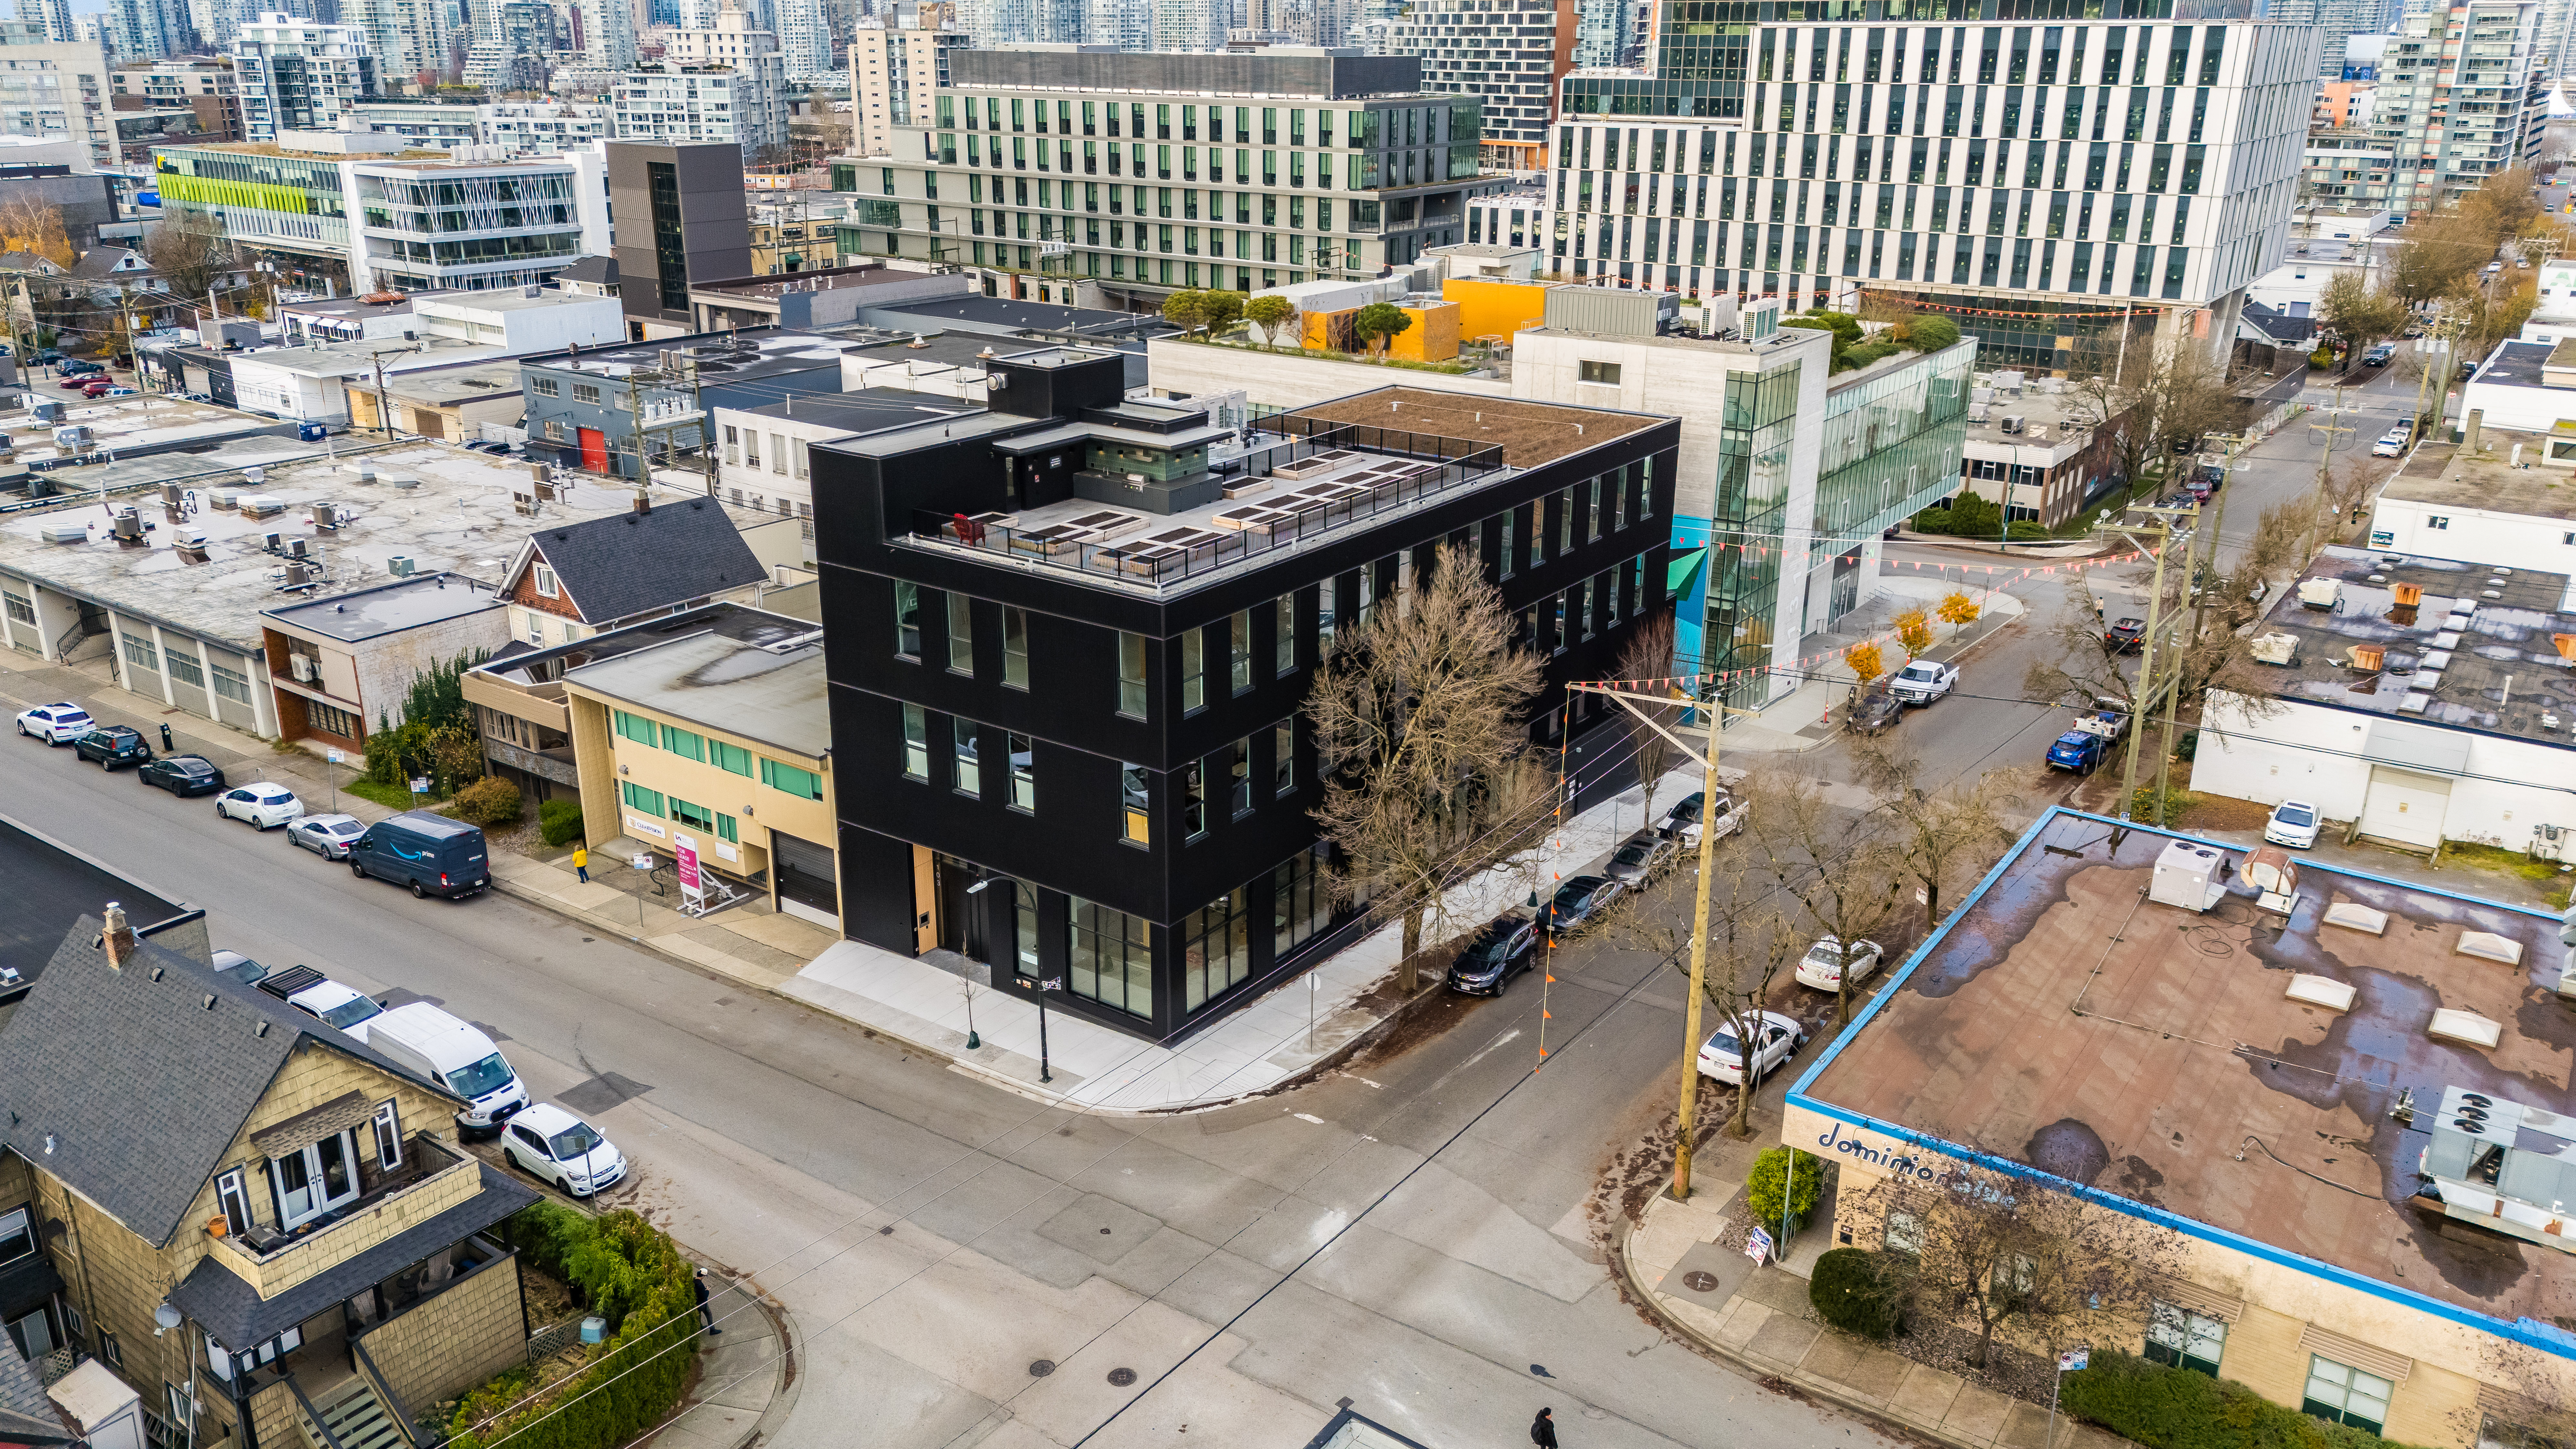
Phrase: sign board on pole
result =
(333, 756)
(1758, 1246)
(692, 887)
(2073, 1359)
(420, 784)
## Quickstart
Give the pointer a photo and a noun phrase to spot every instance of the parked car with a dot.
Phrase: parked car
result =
(1827, 965)
(78, 382)
(2379, 356)
(113, 745)
(2125, 636)
(264, 805)
(2293, 823)
(74, 366)
(545, 1141)
(197, 397)
(1640, 857)
(235, 966)
(183, 775)
(1925, 680)
(99, 390)
(2083, 748)
(1576, 902)
(455, 1055)
(1682, 822)
(115, 392)
(328, 836)
(1508, 945)
(2391, 443)
(430, 853)
(1722, 1055)
(1873, 711)
(320, 997)
(56, 724)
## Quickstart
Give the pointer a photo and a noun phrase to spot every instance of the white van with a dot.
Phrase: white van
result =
(429, 1043)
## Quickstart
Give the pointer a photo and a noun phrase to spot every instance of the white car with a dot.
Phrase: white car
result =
(326, 835)
(345, 1007)
(1825, 966)
(56, 724)
(2293, 823)
(1722, 1057)
(2390, 444)
(1924, 681)
(545, 1141)
(1683, 821)
(264, 805)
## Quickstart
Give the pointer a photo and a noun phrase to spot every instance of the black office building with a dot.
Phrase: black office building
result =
(1070, 638)
(679, 217)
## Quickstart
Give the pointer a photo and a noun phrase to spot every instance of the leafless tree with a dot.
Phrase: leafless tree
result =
(1844, 882)
(2149, 396)
(190, 253)
(29, 223)
(2525, 1398)
(1646, 663)
(2079, 663)
(1748, 942)
(1418, 720)
(1947, 832)
(2005, 1252)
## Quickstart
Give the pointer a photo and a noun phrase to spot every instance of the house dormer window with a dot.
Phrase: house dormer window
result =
(546, 585)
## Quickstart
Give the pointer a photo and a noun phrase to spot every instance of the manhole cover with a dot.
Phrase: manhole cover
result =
(1122, 1377)
(1699, 1280)
(1041, 1368)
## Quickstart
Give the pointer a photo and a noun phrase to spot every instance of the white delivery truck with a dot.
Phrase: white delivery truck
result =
(429, 1043)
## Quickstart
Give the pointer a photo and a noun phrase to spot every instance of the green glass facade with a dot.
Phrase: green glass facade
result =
(1759, 420)
(1892, 445)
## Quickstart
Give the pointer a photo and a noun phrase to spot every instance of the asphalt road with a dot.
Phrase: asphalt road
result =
(1410, 1234)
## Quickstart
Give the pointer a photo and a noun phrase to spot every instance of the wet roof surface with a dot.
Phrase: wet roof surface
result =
(2433, 670)
(391, 608)
(772, 691)
(2066, 1021)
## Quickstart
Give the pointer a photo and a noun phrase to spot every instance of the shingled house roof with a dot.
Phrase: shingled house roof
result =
(27, 1416)
(635, 563)
(130, 1083)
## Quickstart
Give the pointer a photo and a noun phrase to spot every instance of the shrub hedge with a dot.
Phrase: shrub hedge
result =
(488, 801)
(2172, 1408)
(628, 1272)
(1845, 1291)
(1762, 1187)
(559, 821)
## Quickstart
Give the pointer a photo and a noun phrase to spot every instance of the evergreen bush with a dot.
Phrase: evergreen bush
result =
(1762, 1187)
(1845, 1291)
(2174, 1408)
(488, 802)
(559, 822)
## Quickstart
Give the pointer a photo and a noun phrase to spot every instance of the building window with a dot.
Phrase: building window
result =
(545, 387)
(1131, 675)
(183, 668)
(907, 620)
(1015, 647)
(2437, 520)
(330, 720)
(387, 1124)
(1302, 899)
(17, 1237)
(1112, 958)
(1194, 800)
(139, 651)
(1285, 648)
(688, 744)
(21, 608)
(314, 1179)
(916, 743)
(730, 757)
(1238, 777)
(1193, 670)
(641, 800)
(1592, 512)
(970, 774)
(1024, 774)
(546, 587)
(1216, 949)
(1601, 372)
(635, 727)
(789, 780)
(1239, 650)
(1902, 1233)
(2180, 1338)
(1283, 758)
(961, 634)
(1565, 523)
(583, 392)
(2342, 1394)
(1136, 825)
(1326, 598)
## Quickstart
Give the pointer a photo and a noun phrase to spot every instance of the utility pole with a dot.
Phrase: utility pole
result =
(1699, 956)
(384, 413)
(2330, 429)
(2193, 562)
(2142, 698)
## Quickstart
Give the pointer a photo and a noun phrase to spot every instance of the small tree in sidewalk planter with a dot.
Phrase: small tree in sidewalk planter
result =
(1772, 1174)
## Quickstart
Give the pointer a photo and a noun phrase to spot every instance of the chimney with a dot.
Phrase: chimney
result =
(643, 500)
(118, 937)
(2469, 442)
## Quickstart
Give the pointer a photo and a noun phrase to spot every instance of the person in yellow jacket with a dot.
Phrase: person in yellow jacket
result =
(581, 863)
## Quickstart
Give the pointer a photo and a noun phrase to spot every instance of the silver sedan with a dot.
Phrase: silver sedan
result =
(327, 835)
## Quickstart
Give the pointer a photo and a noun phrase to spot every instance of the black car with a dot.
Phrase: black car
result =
(1874, 711)
(1508, 945)
(183, 775)
(2126, 636)
(1577, 902)
(113, 745)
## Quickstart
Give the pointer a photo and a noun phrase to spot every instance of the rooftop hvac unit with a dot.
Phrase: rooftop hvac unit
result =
(2282, 649)
(262, 505)
(1978, 412)
(2013, 422)
(326, 515)
(172, 495)
(2190, 875)
(2320, 593)
(366, 473)
(2010, 382)
(299, 665)
(129, 526)
(400, 566)
(190, 537)
(255, 475)
(295, 548)
(226, 499)
(272, 541)
(299, 575)
(65, 533)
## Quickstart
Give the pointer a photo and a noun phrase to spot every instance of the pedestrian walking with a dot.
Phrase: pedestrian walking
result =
(581, 867)
(1543, 1430)
(166, 743)
(709, 1319)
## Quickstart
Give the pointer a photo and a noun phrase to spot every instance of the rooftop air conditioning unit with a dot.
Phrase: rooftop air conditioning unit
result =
(2189, 874)
(400, 566)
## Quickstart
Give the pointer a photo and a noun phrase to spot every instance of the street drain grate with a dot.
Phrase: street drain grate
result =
(1041, 1368)
(1122, 1377)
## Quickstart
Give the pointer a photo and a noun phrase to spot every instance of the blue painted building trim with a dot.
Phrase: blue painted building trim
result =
(2554, 1344)
(1690, 612)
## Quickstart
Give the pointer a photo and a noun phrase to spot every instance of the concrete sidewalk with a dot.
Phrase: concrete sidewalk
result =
(744, 1389)
(1758, 1319)
(1802, 719)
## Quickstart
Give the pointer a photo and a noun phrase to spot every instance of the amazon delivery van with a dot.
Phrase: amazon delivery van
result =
(428, 852)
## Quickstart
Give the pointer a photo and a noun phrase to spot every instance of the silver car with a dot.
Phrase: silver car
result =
(1640, 858)
(326, 835)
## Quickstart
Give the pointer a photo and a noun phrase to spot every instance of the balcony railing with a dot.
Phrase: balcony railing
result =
(1175, 554)
(432, 1179)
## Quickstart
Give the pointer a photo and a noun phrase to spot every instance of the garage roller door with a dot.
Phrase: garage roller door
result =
(806, 884)
(2405, 807)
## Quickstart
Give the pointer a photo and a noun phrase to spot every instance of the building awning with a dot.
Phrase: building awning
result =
(26, 1284)
(1682, 571)
(2417, 747)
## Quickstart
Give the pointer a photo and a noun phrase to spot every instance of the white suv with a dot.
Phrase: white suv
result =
(56, 724)
(264, 805)
(546, 1141)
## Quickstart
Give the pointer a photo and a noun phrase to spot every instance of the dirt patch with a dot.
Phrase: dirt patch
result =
(1952, 1349)
(549, 1300)
(2216, 812)
(1429, 1015)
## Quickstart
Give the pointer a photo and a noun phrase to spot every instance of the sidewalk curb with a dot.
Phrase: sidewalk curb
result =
(1784, 1378)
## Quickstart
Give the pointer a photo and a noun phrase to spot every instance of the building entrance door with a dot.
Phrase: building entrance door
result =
(961, 917)
(594, 449)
